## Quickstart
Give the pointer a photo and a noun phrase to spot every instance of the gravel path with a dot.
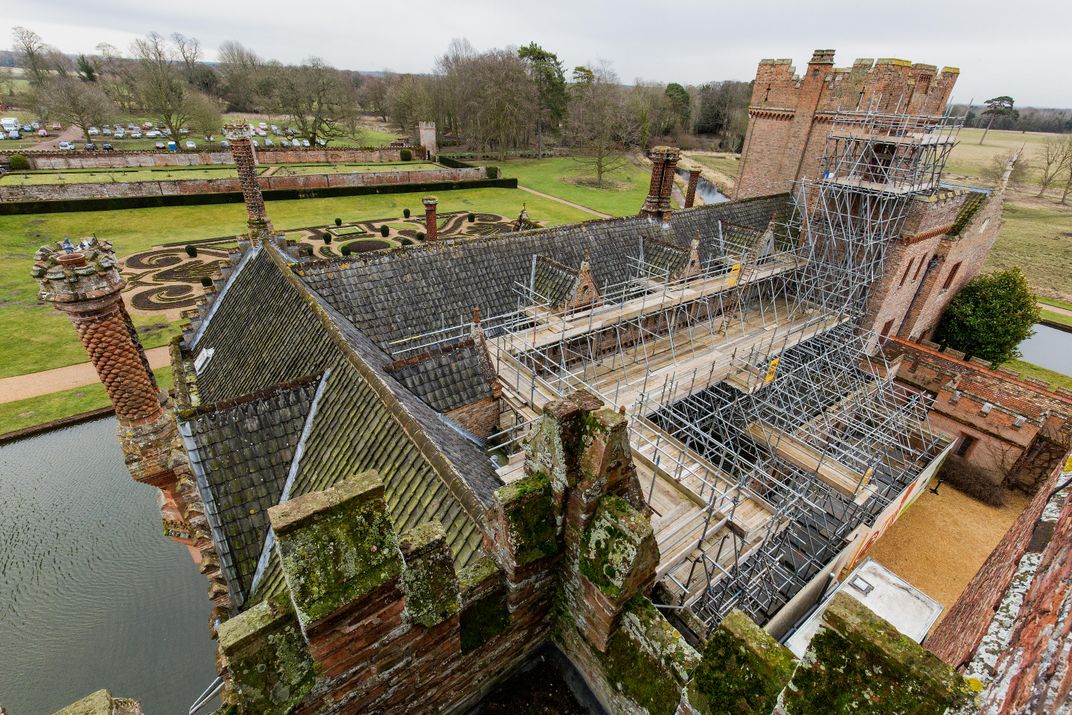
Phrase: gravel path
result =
(45, 382)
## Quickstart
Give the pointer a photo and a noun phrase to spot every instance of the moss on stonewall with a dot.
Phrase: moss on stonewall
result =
(336, 546)
(742, 671)
(647, 660)
(611, 544)
(271, 671)
(859, 663)
(530, 517)
(430, 583)
(484, 619)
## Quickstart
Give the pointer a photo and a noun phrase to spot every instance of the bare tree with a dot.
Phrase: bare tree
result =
(162, 89)
(599, 126)
(117, 76)
(1066, 174)
(204, 115)
(1053, 155)
(242, 72)
(73, 101)
(32, 54)
(317, 98)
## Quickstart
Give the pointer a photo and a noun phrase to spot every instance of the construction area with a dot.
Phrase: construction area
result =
(766, 433)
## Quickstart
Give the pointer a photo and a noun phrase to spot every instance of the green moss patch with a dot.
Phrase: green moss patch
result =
(742, 671)
(530, 517)
(430, 583)
(613, 544)
(484, 619)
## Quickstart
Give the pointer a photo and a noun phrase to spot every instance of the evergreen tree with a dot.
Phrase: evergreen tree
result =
(990, 316)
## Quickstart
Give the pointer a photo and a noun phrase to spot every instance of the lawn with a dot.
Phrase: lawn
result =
(57, 405)
(1060, 318)
(724, 166)
(1028, 369)
(573, 180)
(35, 337)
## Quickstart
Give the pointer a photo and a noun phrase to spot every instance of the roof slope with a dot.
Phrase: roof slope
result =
(397, 295)
(241, 455)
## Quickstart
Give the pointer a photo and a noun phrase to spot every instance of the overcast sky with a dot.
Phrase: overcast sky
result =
(1021, 48)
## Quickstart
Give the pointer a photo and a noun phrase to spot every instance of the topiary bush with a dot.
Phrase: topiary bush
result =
(405, 242)
(420, 235)
(471, 217)
(405, 155)
(327, 238)
(206, 281)
(191, 251)
(338, 222)
(19, 163)
(385, 231)
(346, 250)
(405, 213)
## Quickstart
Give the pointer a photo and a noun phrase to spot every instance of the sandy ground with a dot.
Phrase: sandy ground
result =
(942, 540)
(45, 382)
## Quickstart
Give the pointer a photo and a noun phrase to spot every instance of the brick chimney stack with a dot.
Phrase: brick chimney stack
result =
(657, 204)
(83, 282)
(431, 228)
(240, 139)
(690, 194)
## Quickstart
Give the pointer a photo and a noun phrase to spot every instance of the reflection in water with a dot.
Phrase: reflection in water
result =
(1049, 348)
(91, 593)
(705, 189)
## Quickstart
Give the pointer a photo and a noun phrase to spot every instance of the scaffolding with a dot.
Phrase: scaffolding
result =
(764, 431)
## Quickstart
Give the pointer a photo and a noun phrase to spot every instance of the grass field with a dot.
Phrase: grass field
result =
(34, 337)
(1028, 369)
(569, 179)
(38, 410)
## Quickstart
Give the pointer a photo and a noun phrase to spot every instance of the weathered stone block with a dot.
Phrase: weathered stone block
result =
(529, 518)
(336, 546)
(860, 663)
(430, 584)
(270, 667)
(485, 611)
(618, 552)
(742, 671)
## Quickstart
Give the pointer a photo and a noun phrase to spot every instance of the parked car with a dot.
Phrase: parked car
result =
(14, 134)
(190, 144)
(254, 142)
(295, 142)
(263, 125)
(269, 142)
(147, 125)
(152, 134)
(135, 134)
(225, 143)
(27, 129)
(93, 131)
(321, 142)
(106, 131)
(262, 133)
(305, 142)
(184, 130)
(35, 125)
(66, 146)
(90, 146)
(120, 133)
(106, 147)
(42, 132)
(131, 126)
(160, 145)
(57, 126)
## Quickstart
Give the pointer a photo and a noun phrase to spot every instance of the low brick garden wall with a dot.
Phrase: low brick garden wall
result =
(221, 157)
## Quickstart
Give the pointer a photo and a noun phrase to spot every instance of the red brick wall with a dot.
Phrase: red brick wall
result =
(267, 155)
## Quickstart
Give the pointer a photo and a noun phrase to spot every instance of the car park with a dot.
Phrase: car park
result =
(305, 142)
(14, 134)
(106, 131)
(93, 131)
(106, 147)
(66, 146)
(147, 125)
(295, 142)
(184, 130)
(269, 142)
(90, 146)
(135, 134)
(190, 144)
(160, 145)
(57, 126)
(225, 143)
(120, 133)
(27, 129)
(42, 132)
(35, 125)
(152, 134)
(262, 125)
(132, 126)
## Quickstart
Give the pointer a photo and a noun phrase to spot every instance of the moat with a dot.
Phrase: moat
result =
(91, 594)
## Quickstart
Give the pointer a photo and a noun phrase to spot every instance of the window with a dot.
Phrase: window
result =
(907, 270)
(965, 445)
(918, 269)
(950, 277)
(766, 94)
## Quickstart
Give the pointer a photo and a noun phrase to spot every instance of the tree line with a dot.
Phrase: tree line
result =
(496, 101)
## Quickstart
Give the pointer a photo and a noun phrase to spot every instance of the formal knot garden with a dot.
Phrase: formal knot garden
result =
(172, 277)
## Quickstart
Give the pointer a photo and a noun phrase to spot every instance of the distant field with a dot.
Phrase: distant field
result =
(969, 159)
(52, 341)
(90, 176)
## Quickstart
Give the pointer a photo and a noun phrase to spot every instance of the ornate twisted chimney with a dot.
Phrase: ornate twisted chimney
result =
(690, 193)
(657, 204)
(431, 228)
(240, 139)
(83, 282)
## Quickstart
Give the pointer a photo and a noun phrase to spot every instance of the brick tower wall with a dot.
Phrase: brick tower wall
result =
(788, 112)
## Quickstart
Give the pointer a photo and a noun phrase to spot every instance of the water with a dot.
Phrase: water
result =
(705, 189)
(1049, 348)
(91, 593)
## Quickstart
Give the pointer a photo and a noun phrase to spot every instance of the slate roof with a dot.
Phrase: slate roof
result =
(243, 450)
(449, 378)
(552, 283)
(395, 295)
(667, 259)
